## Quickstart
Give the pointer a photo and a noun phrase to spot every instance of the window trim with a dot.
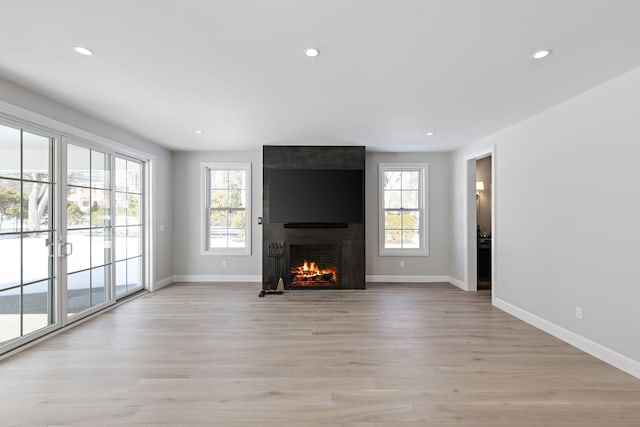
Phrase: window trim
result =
(423, 250)
(205, 192)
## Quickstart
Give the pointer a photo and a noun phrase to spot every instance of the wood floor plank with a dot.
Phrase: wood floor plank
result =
(402, 355)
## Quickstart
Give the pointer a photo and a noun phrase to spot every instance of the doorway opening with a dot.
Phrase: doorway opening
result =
(483, 222)
(480, 222)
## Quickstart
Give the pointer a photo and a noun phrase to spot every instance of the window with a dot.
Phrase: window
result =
(403, 195)
(227, 192)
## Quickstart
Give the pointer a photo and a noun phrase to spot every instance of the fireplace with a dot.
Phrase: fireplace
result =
(313, 223)
(313, 265)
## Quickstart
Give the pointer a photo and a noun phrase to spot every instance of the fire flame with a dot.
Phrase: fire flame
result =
(310, 271)
(310, 267)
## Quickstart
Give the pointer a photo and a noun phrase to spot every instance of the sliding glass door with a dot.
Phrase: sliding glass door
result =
(129, 230)
(86, 236)
(27, 232)
(72, 231)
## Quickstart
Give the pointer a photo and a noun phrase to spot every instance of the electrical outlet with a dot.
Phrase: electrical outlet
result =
(401, 263)
(579, 313)
(224, 262)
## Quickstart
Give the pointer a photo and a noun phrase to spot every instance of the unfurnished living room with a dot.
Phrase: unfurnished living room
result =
(356, 213)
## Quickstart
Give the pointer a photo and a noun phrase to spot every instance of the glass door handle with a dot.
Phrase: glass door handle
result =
(65, 249)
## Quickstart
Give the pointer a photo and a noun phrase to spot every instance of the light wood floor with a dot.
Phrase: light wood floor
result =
(393, 355)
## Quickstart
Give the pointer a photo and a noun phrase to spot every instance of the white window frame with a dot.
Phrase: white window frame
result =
(423, 250)
(205, 192)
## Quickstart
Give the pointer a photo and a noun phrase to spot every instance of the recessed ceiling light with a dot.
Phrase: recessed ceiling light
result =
(312, 52)
(199, 132)
(541, 54)
(83, 51)
(430, 133)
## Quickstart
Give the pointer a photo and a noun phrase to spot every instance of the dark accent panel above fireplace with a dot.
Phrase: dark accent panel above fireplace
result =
(342, 223)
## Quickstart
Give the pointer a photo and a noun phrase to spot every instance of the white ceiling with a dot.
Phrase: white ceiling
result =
(388, 72)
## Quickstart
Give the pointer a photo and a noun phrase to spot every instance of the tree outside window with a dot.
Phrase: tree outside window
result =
(9, 205)
(32, 207)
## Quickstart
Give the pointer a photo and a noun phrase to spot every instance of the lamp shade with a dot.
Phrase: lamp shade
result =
(479, 185)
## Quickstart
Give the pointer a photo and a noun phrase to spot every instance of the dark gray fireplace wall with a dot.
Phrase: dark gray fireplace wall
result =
(352, 237)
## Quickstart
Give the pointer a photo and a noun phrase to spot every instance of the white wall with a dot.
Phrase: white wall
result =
(190, 265)
(163, 216)
(567, 223)
(434, 267)
(161, 173)
(188, 262)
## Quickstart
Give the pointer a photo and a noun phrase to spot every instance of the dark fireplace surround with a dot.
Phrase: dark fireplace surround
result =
(312, 255)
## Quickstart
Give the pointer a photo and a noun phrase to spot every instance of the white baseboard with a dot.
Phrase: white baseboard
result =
(406, 279)
(258, 279)
(457, 282)
(599, 351)
(217, 278)
(162, 283)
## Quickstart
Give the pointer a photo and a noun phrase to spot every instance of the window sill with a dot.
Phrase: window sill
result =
(227, 252)
(404, 252)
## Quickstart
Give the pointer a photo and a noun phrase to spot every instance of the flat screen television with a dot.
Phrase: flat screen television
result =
(315, 196)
